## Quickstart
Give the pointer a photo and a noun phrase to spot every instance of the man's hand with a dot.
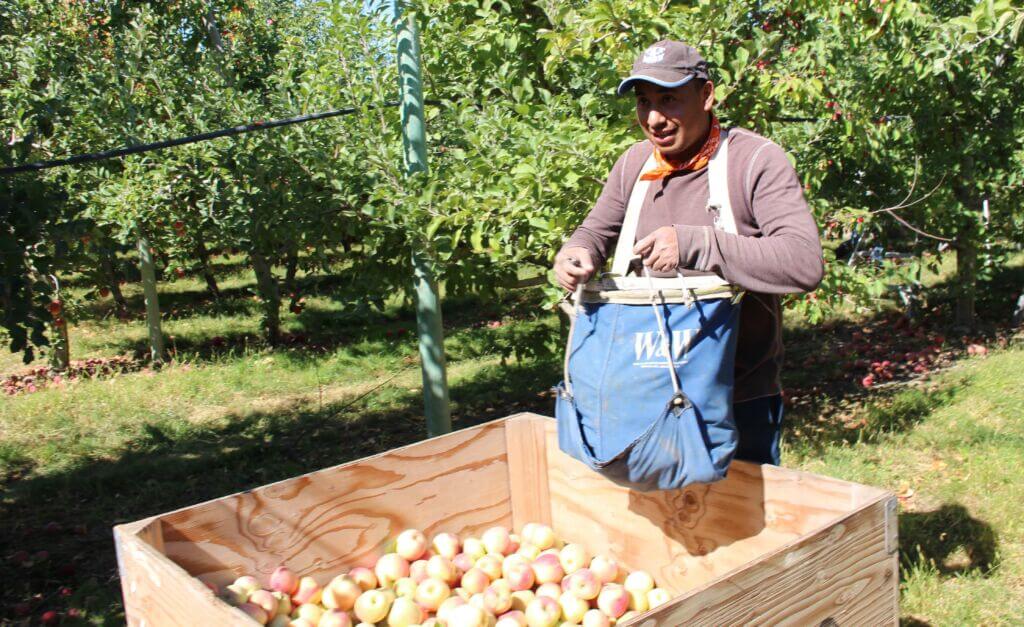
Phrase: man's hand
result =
(660, 250)
(573, 267)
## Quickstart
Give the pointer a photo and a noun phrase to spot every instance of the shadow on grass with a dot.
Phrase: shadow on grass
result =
(170, 465)
(948, 539)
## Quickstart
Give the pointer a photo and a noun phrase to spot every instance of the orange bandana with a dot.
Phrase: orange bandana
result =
(698, 161)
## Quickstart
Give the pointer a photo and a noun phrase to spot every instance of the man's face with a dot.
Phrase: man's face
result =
(675, 119)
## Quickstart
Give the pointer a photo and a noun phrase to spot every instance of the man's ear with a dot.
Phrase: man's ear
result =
(708, 95)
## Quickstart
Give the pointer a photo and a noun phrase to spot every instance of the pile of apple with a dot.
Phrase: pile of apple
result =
(500, 579)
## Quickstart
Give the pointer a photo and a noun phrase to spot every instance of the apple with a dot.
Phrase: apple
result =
(573, 557)
(390, 568)
(491, 565)
(573, 607)
(341, 593)
(234, 594)
(475, 580)
(551, 590)
(658, 596)
(265, 600)
(335, 618)
(604, 568)
(511, 619)
(405, 587)
(613, 600)
(309, 592)
(54, 307)
(522, 598)
(284, 603)
(596, 618)
(528, 551)
(411, 544)
(514, 540)
(467, 616)
(310, 611)
(431, 593)
(540, 535)
(404, 612)
(584, 584)
(543, 612)
(446, 545)
(443, 569)
(637, 600)
(463, 562)
(247, 583)
(547, 568)
(255, 612)
(282, 620)
(639, 581)
(497, 540)
(447, 606)
(498, 597)
(364, 577)
(284, 580)
(372, 606)
(518, 572)
(418, 570)
(474, 548)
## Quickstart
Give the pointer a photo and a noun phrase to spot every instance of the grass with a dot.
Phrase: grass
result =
(229, 413)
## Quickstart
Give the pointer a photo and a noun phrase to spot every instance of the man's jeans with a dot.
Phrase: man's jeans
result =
(759, 422)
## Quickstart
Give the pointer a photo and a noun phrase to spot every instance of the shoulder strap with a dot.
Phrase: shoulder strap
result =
(718, 187)
(627, 234)
(718, 202)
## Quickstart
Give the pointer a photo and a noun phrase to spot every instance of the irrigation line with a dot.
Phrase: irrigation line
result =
(181, 141)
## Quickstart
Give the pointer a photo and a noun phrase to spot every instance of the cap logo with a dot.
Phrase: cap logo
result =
(654, 54)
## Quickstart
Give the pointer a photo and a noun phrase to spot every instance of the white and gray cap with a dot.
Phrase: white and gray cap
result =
(667, 63)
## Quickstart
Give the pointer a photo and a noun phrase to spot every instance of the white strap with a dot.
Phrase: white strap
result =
(718, 187)
(627, 234)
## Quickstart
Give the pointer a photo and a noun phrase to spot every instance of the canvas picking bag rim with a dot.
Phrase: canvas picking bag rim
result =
(616, 287)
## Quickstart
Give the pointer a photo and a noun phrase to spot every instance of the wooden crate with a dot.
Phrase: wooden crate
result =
(766, 545)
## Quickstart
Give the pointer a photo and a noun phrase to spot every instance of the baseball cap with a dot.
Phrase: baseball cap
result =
(667, 63)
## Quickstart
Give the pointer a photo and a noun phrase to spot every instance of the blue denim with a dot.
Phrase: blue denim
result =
(759, 422)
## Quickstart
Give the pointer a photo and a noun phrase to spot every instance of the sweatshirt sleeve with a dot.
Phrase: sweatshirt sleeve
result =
(600, 229)
(785, 258)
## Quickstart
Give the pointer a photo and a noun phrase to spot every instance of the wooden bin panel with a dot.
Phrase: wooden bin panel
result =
(844, 574)
(158, 592)
(335, 519)
(526, 437)
(691, 537)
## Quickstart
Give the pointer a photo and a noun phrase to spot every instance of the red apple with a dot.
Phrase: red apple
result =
(284, 580)
(547, 568)
(613, 600)
(341, 593)
(364, 577)
(309, 592)
(390, 568)
(446, 545)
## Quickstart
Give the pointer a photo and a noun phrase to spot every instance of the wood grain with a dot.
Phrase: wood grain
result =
(528, 469)
(840, 575)
(329, 521)
(157, 591)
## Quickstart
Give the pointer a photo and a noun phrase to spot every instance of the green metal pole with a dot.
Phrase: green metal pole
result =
(156, 337)
(428, 302)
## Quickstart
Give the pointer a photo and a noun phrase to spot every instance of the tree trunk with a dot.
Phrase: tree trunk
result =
(113, 280)
(270, 294)
(967, 282)
(291, 267)
(204, 259)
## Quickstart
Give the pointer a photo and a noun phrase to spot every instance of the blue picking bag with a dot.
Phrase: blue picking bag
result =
(649, 369)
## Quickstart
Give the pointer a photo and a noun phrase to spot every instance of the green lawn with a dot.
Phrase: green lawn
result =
(230, 414)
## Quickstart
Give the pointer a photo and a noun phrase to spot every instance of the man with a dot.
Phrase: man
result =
(775, 251)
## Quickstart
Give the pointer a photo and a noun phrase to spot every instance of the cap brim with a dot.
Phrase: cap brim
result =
(628, 83)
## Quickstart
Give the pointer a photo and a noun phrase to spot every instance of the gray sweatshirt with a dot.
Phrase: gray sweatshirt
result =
(776, 249)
